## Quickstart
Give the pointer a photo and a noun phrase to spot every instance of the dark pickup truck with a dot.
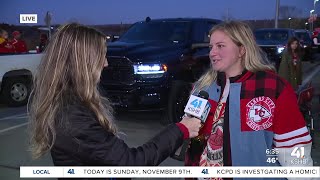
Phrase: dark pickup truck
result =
(153, 65)
(273, 42)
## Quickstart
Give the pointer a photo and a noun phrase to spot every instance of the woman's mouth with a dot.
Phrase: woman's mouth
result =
(214, 60)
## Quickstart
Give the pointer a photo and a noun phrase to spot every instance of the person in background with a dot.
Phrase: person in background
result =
(18, 44)
(315, 36)
(43, 42)
(74, 122)
(254, 111)
(291, 65)
(3, 36)
(5, 45)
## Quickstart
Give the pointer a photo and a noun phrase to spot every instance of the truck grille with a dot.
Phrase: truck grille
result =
(271, 52)
(119, 72)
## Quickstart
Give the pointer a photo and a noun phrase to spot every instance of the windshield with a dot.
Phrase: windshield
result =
(303, 36)
(174, 31)
(274, 36)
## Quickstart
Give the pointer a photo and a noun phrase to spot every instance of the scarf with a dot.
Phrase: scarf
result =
(213, 152)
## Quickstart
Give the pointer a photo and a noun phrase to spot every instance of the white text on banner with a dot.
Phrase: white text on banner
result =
(41, 171)
(167, 171)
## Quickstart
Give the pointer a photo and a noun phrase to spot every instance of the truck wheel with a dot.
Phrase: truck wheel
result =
(16, 91)
(178, 98)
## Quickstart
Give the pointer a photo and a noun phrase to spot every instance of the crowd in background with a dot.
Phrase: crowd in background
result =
(14, 43)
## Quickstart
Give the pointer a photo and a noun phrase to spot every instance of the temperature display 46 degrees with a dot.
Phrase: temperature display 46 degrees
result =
(272, 160)
(272, 155)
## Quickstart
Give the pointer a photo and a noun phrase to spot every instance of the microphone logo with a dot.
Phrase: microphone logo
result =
(195, 106)
(196, 103)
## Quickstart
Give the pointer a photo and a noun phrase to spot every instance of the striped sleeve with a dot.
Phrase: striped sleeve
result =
(289, 126)
(290, 139)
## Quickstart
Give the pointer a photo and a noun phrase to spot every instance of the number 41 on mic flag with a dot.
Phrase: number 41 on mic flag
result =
(198, 107)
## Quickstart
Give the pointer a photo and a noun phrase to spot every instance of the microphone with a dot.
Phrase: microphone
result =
(198, 107)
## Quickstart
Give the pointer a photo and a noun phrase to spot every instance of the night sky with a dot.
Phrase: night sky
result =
(129, 11)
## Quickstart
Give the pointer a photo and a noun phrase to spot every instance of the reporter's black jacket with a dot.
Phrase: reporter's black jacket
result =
(84, 142)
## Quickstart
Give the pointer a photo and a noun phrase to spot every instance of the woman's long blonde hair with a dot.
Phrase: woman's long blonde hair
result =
(241, 34)
(69, 73)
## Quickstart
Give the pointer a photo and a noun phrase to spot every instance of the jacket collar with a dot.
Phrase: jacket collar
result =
(221, 78)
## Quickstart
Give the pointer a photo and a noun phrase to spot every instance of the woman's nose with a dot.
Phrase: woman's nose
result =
(212, 52)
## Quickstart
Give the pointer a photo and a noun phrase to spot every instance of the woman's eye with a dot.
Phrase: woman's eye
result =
(220, 46)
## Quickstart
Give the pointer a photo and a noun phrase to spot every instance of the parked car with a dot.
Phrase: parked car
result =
(309, 48)
(273, 42)
(16, 73)
(153, 65)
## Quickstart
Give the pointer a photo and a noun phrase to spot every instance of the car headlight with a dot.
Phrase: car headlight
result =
(150, 70)
(280, 49)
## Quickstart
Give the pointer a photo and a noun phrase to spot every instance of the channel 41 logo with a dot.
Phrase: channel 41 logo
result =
(196, 103)
(28, 18)
(195, 106)
(298, 153)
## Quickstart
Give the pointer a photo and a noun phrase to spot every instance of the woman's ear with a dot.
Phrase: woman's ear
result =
(106, 63)
(242, 50)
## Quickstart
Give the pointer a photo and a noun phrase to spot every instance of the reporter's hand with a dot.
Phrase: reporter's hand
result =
(193, 125)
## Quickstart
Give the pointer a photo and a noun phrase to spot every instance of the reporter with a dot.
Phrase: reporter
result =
(69, 117)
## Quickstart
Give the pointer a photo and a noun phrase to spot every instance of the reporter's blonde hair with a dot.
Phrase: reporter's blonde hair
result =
(242, 35)
(69, 73)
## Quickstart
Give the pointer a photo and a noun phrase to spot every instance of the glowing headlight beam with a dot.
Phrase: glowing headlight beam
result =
(150, 68)
(280, 49)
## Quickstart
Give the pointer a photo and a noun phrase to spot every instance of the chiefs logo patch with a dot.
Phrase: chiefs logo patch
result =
(259, 113)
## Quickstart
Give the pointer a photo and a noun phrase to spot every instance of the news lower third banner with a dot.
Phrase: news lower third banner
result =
(165, 172)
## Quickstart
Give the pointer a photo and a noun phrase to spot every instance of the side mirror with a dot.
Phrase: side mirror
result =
(114, 37)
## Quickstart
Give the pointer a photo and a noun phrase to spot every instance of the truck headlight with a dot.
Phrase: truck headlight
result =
(150, 70)
(280, 49)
